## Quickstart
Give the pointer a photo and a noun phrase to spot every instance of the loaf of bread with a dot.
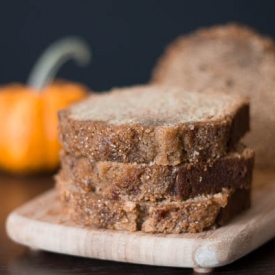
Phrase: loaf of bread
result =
(232, 59)
(150, 182)
(151, 124)
(192, 215)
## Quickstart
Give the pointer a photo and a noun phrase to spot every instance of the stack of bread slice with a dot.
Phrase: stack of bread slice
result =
(156, 159)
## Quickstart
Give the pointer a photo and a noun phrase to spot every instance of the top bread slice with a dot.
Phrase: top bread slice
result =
(151, 124)
(231, 59)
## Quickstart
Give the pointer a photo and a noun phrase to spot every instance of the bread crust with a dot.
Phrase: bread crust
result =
(143, 182)
(232, 59)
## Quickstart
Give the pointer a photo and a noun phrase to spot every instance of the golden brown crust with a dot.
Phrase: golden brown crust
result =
(231, 59)
(143, 182)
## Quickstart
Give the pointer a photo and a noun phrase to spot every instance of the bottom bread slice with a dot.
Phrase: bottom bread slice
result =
(193, 215)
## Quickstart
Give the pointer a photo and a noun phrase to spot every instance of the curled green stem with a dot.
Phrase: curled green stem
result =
(54, 57)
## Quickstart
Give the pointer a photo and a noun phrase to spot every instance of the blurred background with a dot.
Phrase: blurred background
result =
(126, 36)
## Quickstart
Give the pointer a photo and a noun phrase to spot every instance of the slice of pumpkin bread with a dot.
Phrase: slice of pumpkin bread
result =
(151, 124)
(151, 182)
(193, 215)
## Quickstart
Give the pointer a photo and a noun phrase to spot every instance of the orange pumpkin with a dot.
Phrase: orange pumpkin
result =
(28, 120)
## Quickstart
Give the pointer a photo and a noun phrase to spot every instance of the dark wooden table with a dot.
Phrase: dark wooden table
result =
(16, 259)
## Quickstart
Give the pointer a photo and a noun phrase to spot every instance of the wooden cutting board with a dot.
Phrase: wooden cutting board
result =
(39, 224)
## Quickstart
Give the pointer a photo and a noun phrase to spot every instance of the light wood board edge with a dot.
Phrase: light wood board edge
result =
(207, 250)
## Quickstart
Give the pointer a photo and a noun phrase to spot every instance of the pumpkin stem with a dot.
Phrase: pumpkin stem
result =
(56, 55)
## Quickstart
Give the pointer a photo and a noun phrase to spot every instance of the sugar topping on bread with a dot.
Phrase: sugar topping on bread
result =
(154, 105)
